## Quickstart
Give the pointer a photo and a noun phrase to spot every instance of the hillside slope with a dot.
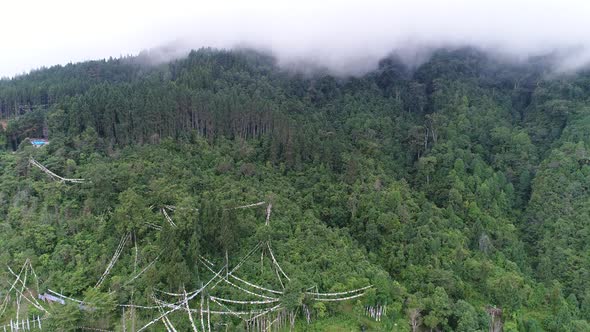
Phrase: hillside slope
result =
(451, 188)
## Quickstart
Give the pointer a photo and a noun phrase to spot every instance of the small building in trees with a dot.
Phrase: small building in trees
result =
(38, 142)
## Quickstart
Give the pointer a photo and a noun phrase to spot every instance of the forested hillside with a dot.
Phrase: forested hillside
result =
(452, 196)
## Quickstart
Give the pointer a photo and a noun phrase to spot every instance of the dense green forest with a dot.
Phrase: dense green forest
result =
(457, 190)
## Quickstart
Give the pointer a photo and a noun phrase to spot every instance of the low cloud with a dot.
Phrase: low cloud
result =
(347, 37)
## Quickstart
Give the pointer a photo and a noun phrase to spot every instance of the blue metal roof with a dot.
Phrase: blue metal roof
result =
(39, 142)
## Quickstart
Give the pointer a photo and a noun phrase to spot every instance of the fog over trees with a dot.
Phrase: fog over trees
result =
(348, 37)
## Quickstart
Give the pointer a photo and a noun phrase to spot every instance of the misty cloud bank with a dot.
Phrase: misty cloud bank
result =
(345, 37)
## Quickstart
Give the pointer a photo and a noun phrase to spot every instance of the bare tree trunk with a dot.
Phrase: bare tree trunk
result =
(415, 319)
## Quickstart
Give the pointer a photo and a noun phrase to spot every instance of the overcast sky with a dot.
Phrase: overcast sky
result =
(339, 34)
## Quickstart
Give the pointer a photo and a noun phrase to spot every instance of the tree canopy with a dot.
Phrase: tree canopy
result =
(456, 189)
